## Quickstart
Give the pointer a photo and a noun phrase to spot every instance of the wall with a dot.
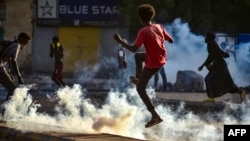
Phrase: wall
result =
(84, 46)
(19, 15)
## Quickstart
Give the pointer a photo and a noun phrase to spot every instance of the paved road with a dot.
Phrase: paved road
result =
(193, 102)
(9, 133)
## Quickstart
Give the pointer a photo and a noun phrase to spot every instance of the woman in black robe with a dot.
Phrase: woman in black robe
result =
(218, 80)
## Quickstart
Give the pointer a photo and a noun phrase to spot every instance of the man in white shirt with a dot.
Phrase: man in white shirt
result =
(9, 55)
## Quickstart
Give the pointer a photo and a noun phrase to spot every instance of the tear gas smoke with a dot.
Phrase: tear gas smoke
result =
(124, 113)
(121, 114)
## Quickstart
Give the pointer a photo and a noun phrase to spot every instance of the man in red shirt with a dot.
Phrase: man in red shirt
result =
(152, 36)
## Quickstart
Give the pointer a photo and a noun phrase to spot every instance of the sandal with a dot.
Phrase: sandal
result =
(133, 80)
(153, 122)
(209, 100)
(242, 95)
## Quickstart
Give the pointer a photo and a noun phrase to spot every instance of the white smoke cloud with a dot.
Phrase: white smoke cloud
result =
(186, 53)
(124, 113)
(75, 113)
(121, 114)
(189, 51)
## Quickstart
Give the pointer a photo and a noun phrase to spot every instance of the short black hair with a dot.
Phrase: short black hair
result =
(23, 37)
(146, 12)
(210, 35)
(55, 38)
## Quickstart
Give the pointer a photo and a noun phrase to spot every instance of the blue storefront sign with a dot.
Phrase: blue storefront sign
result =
(77, 12)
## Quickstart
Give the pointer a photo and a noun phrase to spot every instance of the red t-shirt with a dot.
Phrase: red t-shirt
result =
(153, 37)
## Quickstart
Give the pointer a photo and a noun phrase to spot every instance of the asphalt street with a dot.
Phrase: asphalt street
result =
(193, 102)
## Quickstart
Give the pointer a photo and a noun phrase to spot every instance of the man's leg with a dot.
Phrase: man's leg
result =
(164, 78)
(7, 82)
(139, 59)
(60, 74)
(142, 84)
(141, 89)
(55, 80)
(156, 79)
(56, 74)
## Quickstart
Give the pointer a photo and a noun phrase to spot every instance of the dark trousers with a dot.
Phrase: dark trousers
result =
(139, 60)
(7, 81)
(57, 75)
(144, 75)
(163, 77)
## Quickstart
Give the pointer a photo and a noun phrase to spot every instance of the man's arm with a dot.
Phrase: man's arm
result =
(51, 51)
(124, 44)
(16, 69)
(61, 51)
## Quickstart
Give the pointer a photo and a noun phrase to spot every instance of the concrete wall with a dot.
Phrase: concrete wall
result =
(19, 14)
(20, 17)
(42, 38)
(84, 47)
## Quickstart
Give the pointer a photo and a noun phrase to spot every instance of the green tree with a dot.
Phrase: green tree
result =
(227, 16)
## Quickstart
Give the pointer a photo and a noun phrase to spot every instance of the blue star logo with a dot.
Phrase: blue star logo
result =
(47, 9)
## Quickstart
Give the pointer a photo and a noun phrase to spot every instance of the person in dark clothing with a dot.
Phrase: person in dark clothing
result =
(56, 51)
(218, 81)
(122, 66)
(163, 77)
(153, 37)
(10, 53)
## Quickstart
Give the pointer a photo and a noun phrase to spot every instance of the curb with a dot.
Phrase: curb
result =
(11, 134)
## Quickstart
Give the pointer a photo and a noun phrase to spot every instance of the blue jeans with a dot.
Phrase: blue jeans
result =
(122, 74)
(7, 81)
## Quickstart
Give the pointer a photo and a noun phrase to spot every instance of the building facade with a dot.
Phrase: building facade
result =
(85, 29)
